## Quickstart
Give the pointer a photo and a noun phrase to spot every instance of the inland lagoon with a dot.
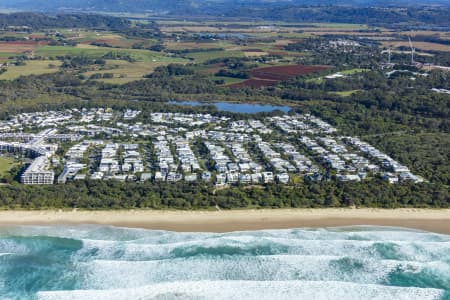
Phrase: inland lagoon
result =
(246, 108)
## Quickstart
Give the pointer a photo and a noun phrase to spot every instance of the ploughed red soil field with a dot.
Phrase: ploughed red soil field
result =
(272, 75)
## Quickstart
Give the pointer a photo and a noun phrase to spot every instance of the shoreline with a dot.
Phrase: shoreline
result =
(433, 220)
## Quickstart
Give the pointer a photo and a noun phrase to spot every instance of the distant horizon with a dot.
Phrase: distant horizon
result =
(197, 6)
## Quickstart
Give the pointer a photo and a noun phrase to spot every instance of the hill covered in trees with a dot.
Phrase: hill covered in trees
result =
(342, 11)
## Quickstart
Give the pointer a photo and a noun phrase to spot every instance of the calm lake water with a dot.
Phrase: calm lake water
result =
(246, 108)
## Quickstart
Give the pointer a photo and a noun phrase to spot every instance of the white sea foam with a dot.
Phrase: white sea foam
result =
(102, 274)
(129, 234)
(259, 290)
(251, 245)
(342, 263)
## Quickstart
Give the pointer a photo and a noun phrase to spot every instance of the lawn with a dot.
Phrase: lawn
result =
(113, 39)
(314, 80)
(198, 45)
(52, 51)
(345, 93)
(5, 56)
(32, 67)
(94, 51)
(353, 71)
(6, 164)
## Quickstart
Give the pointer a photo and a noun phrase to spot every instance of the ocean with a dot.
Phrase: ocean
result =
(104, 262)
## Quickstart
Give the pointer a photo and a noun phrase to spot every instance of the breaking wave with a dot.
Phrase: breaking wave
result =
(103, 262)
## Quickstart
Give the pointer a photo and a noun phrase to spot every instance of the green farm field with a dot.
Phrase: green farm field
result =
(125, 71)
(31, 67)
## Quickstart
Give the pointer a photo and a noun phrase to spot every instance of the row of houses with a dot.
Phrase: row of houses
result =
(40, 119)
(188, 161)
(58, 119)
(301, 123)
(167, 168)
(92, 130)
(74, 161)
(121, 158)
(280, 165)
(130, 114)
(234, 143)
(259, 127)
(55, 119)
(348, 166)
(303, 164)
(244, 171)
(50, 135)
(243, 178)
(188, 120)
(395, 171)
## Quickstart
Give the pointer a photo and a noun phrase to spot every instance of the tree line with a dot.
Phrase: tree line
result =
(118, 195)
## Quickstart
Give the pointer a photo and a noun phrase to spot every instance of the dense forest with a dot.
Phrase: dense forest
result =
(38, 21)
(375, 16)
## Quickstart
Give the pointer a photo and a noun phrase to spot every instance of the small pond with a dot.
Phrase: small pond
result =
(246, 108)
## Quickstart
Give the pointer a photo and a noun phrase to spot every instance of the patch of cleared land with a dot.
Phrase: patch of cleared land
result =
(19, 47)
(353, 71)
(171, 45)
(32, 67)
(94, 51)
(125, 71)
(255, 53)
(267, 76)
(346, 93)
(426, 46)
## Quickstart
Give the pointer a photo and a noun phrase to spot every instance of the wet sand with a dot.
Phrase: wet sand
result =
(237, 220)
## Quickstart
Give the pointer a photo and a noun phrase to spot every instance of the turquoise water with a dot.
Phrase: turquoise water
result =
(98, 262)
(246, 108)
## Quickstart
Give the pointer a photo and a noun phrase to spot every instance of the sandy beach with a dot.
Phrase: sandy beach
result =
(237, 220)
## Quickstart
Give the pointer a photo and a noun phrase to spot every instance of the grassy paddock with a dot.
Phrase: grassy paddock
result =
(32, 67)
(125, 71)
(346, 93)
(200, 57)
(353, 71)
